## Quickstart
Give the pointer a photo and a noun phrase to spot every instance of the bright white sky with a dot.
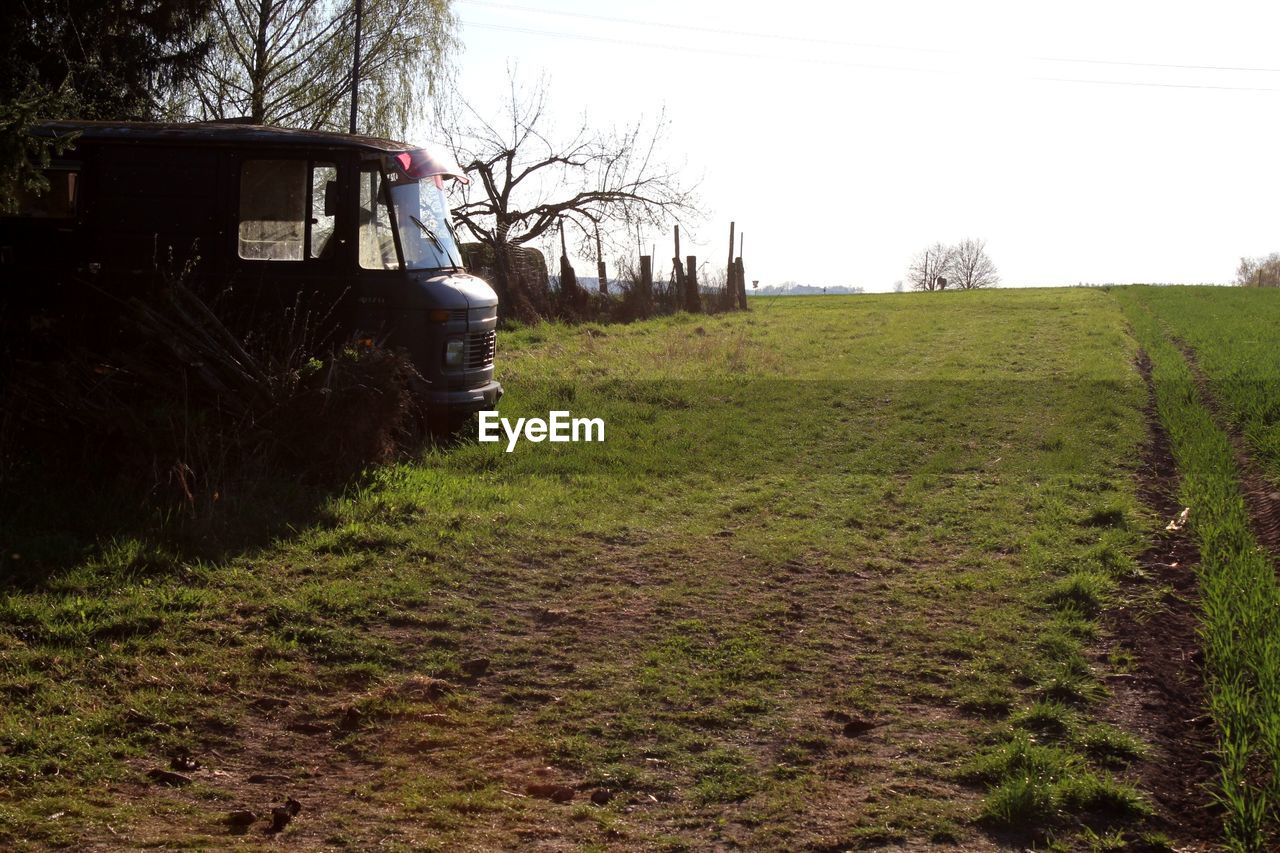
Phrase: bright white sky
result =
(845, 137)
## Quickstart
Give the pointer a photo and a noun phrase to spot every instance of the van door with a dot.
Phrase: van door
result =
(289, 244)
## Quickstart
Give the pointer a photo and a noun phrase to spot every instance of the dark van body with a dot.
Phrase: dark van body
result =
(351, 228)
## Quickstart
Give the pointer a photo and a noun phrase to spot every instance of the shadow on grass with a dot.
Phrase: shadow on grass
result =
(58, 521)
(54, 523)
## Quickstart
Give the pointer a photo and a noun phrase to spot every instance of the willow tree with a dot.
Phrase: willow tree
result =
(289, 63)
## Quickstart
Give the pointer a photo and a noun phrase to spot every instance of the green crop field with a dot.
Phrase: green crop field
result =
(846, 572)
(1229, 338)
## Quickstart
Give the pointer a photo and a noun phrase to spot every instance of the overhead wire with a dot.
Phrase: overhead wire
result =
(849, 64)
(844, 43)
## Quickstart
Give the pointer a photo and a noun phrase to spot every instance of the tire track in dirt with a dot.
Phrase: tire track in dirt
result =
(1163, 699)
(1261, 497)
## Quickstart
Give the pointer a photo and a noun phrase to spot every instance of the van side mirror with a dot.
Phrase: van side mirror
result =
(330, 198)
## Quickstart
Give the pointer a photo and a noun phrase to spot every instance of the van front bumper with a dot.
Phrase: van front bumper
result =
(468, 400)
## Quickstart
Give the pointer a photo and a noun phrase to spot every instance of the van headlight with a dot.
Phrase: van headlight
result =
(454, 352)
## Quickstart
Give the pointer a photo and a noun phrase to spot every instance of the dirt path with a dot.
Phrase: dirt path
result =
(836, 775)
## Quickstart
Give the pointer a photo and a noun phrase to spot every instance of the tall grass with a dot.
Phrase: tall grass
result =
(1240, 599)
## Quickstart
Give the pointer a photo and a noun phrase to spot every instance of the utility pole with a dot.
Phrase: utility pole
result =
(355, 67)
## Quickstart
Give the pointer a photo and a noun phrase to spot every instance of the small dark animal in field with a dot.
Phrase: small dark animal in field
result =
(281, 815)
(240, 820)
(476, 667)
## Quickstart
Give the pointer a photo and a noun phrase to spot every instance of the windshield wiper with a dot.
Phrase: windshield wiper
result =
(431, 235)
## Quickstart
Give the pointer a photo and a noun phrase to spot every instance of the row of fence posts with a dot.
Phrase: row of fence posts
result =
(684, 274)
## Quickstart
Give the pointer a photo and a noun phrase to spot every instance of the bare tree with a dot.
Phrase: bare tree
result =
(289, 62)
(971, 266)
(932, 268)
(526, 182)
(1259, 272)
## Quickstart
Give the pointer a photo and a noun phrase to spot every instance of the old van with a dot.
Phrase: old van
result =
(358, 224)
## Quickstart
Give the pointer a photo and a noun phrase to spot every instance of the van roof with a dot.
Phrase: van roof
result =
(425, 161)
(213, 132)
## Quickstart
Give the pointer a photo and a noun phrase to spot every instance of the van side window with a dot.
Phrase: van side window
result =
(377, 241)
(284, 214)
(324, 189)
(273, 207)
(57, 202)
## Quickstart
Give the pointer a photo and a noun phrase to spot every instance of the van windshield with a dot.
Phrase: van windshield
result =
(422, 218)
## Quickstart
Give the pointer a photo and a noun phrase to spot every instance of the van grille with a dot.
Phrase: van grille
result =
(481, 347)
(458, 315)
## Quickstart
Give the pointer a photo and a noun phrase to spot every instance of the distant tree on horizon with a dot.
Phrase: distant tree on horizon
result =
(1259, 272)
(972, 267)
(964, 266)
(932, 268)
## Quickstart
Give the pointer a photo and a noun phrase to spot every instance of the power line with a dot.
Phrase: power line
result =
(840, 43)
(706, 50)
(846, 64)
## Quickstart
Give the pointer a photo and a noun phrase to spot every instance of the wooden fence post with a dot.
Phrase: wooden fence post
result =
(568, 281)
(676, 271)
(646, 283)
(740, 274)
(601, 278)
(569, 291)
(692, 300)
(730, 285)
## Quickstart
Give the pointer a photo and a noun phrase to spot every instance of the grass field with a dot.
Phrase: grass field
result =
(843, 574)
